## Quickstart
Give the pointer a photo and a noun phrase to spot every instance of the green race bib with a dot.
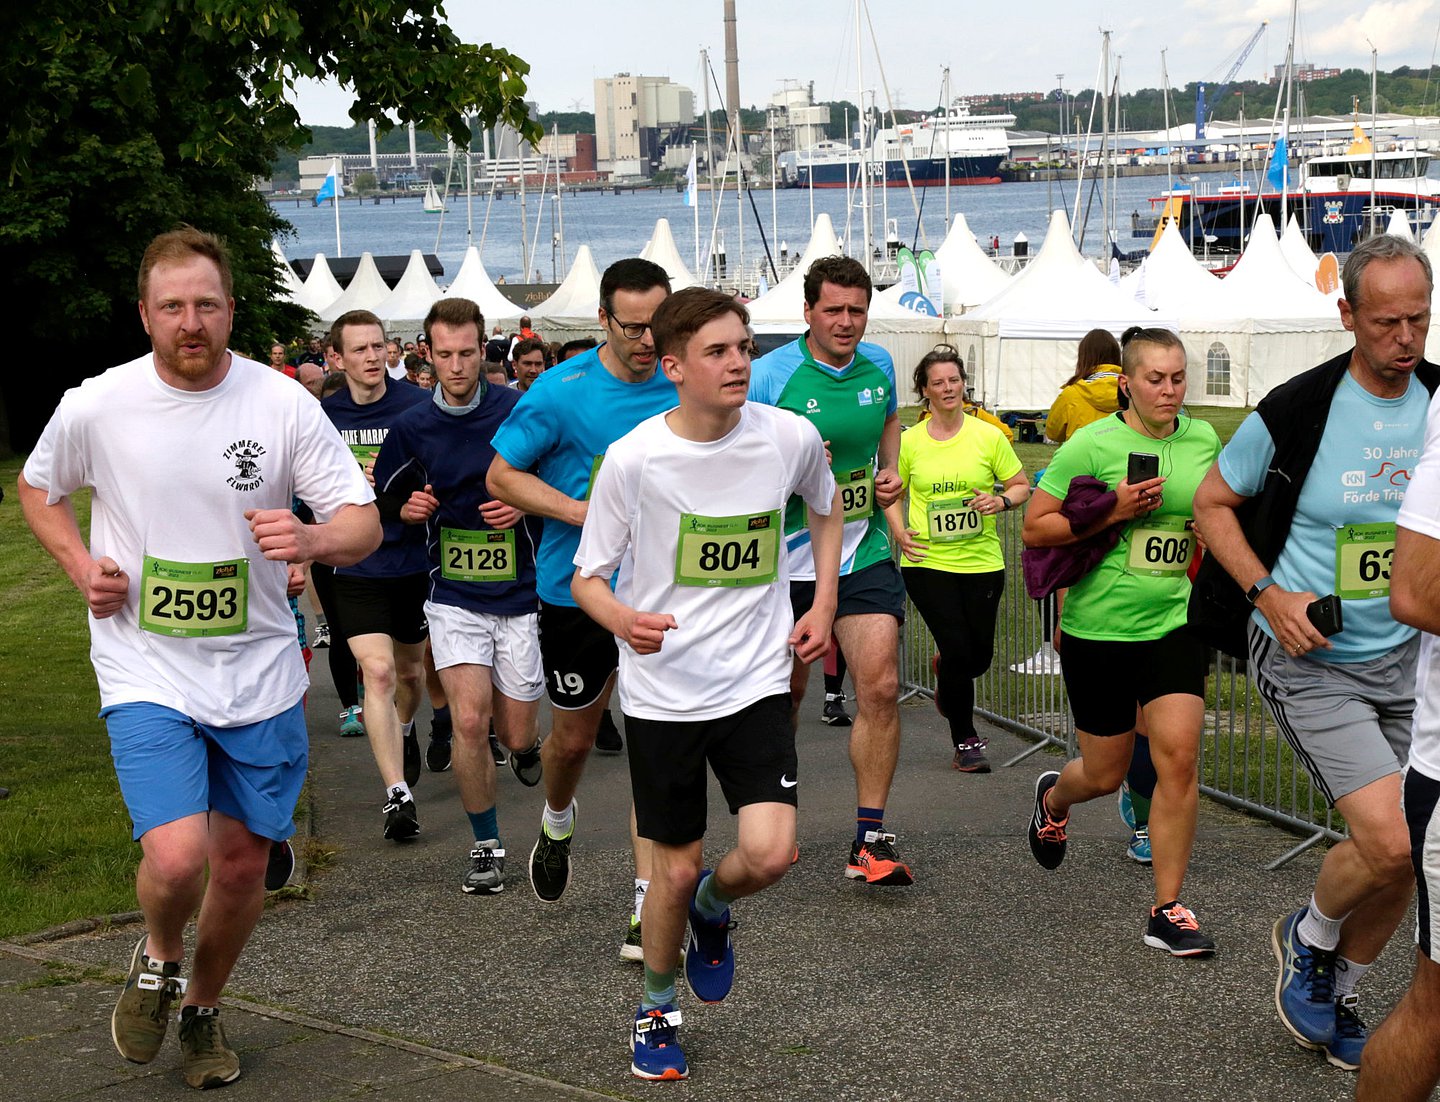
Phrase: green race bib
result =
(952, 519)
(486, 555)
(594, 474)
(716, 551)
(857, 494)
(1362, 560)
(1161, 547)
(363, 453)
(194, 600)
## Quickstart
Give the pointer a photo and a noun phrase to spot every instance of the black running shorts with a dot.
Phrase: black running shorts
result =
(1107, 679)
(877, 588)
(383, 606)
(578, 655)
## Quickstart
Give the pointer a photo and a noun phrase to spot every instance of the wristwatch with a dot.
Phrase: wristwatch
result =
(1253, 593)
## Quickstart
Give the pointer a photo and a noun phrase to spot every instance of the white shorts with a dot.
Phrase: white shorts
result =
(1421, 796)
(508, 645)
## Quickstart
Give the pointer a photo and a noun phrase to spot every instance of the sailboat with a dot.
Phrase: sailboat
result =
(433, 204)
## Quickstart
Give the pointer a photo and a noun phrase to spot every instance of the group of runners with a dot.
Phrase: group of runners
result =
(539, 543)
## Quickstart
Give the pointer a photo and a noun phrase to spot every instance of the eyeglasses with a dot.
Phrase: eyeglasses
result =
(633, 330)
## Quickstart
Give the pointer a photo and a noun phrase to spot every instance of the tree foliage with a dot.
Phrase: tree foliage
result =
(126, 117)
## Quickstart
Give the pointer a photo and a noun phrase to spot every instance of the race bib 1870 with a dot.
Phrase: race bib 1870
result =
(716, 551)
(1362, 560)
(194, 600)
(952, 519)
(1161, 547)
(483, 555)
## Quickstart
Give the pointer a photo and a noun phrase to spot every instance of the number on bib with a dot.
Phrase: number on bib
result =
(1363, 553)
(952, 519)
(1161, 547)
(188, 600)
(857, 494)
(484, 555)
(723, 551)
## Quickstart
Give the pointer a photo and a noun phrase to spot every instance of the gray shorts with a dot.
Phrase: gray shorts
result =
(1348, 722)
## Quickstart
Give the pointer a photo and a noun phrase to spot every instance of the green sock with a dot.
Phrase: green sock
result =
(710, 901)
(1140, 805)
(659, 988)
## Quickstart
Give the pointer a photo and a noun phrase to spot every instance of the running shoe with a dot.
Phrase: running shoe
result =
(412, 758)
(1127, 809)
(525, 764)
(1344, 1049)
(607, 738)
(935, 669)
(1047, 834)
(1139, 848)
(1174, 929)
(632, 948)
(142, 1013)
(401, 820)
(876, 861)
(970, 757)
(656, 1052)
(352, 722)
(437, 754)
(1305, 988)
(833, 714)
(1045, 661)
(322, 636)
(487, 869)
(205, 1057)
(550, 863)
(279, 867)
(497, 752)
(709, 956)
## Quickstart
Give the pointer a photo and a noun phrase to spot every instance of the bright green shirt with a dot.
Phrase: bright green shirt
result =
(941, 476)
(1140, 590)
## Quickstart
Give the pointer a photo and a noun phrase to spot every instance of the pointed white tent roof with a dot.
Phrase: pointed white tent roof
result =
(1264, 287)
(661, 249)
(1297, 252)
(413, 295)
(1171, 281)
(320, 288)
(970, 275)
(1061, 294)
(1400, 225)
(472, 281)
(366, 291)
(784, 303)
(290, 285)
(577, 299)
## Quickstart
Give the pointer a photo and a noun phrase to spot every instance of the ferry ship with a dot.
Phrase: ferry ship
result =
(975, 144)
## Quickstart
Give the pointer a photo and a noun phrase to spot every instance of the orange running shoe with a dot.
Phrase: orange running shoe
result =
(876, 861)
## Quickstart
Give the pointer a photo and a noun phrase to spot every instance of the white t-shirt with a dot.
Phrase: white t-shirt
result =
(731, 647)
(1420, 513)
(173, 473)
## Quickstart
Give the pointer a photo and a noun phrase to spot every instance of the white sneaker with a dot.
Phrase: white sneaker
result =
(1044, 661)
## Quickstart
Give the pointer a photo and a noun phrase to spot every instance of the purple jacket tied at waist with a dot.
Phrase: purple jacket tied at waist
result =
(1050, 568)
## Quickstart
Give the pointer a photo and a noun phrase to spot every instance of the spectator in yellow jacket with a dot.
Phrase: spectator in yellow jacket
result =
(1089, 394)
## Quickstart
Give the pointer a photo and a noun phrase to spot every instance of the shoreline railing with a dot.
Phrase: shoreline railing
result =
(1245, 762)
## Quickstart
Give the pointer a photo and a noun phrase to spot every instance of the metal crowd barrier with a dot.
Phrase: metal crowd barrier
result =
(1245, 762)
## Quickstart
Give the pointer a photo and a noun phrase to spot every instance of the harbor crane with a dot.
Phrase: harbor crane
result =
(1202, 116)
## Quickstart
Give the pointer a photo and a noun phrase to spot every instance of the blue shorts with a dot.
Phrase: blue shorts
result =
(171, 766)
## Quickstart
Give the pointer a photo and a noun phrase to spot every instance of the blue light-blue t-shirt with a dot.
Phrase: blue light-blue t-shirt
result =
(559, 431)
(1359, 475)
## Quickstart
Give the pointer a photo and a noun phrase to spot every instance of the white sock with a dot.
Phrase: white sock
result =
(559, 824)
(1317, 930)
(400, 786)
(640, 888)
(1348, 974)
(407, 729)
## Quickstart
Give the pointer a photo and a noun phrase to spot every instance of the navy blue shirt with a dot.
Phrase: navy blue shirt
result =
(451, 454)
(364, 428)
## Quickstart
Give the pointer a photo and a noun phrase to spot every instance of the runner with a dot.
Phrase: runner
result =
(547, 454)
(1123, 636)
(701, 613)
(846, 388)
(380, 602)
(951, 464)
(193, 455)
(482, 606)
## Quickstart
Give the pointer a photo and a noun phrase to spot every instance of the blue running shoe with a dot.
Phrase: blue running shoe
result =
(657, 1053)
(1305, 988)
(1139, 848)
(1127, 810)
(1350, 1035)
(709, 956)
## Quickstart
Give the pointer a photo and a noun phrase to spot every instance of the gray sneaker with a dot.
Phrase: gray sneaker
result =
(205, 1057)
(526, 765)
(142, 1012)
(487, 869)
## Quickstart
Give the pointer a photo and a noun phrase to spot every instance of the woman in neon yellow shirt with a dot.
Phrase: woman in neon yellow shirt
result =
(951, 560)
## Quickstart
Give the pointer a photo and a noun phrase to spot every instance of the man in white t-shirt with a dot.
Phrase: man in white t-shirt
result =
(1402, 1059)
(701, 611)
(194, 456)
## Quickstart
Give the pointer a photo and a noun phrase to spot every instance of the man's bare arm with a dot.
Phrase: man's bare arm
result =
(1414, 599)
(530, 494)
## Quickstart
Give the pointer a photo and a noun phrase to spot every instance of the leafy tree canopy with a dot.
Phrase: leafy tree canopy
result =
(125, 118)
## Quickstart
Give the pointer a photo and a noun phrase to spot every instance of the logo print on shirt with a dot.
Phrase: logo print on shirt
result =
(812, 405)
(867, 397)
(1352, 479)
(245, 454)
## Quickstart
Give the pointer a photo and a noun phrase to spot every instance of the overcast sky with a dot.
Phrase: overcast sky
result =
(990, 47)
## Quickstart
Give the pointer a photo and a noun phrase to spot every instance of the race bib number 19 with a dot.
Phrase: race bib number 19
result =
(1161, 547)
(194, 600)
(1362, 560)
(720, 551)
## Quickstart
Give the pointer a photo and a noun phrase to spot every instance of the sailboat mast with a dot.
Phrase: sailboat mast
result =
(864, 154)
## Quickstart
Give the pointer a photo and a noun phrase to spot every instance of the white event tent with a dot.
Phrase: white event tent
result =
(290, 285)
(320, 288)
(412, 297)
(366, 291)
(969, 275)
(662, 250)
(1297, 251)
(472, 281)
(575, 305)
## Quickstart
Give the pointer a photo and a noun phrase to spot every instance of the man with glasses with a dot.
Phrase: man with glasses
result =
(846, 388)
(548, 453)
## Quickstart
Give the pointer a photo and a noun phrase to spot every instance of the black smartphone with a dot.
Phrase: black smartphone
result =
(1143, 467)
(1326, 616)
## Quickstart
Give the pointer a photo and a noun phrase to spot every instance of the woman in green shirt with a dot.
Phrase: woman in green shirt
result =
(1123, 637)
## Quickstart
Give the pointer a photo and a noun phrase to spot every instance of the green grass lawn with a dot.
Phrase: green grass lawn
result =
(65, 849)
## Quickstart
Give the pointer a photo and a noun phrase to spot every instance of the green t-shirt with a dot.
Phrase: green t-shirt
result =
(941, 476)
(1140, 589)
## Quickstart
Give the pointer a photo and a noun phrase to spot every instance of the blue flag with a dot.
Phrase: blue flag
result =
(1275, 174)
(332, 188)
